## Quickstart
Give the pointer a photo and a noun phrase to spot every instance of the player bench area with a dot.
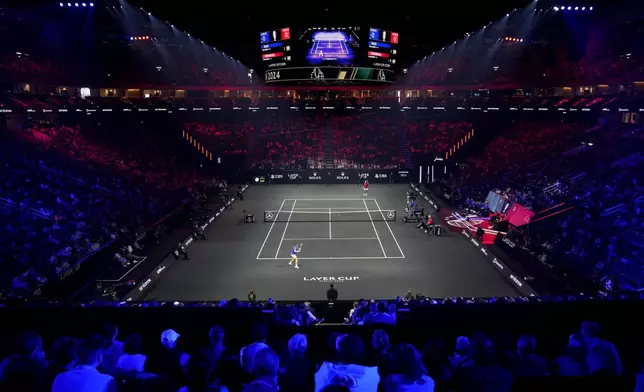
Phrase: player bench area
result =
(329, 229)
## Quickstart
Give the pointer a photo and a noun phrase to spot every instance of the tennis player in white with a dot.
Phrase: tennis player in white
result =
(294, 251)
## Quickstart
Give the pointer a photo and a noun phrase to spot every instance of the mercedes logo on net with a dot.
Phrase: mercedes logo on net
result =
(269, 215)
(390, 214)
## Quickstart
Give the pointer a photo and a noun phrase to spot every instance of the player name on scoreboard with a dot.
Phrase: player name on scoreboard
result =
(329, 74)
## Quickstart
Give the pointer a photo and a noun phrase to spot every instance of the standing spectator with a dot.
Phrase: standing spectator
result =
(132, 359)
(294, 374)
(112, 350)
(247, 353)
(252, 297)
(409, 373)
(332, 293)
(348, 371)
(85, 377)
(483, 372)
(26, 370)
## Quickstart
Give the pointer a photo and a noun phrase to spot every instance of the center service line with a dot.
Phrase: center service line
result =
(270, 229)
(330, 236)
(285, 228)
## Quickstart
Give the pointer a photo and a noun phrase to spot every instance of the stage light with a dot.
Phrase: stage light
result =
(556, 8)
(76, 4)
(131, 38)
(583, 8)
(569, 8)
(576, 8)
(91, 4)
(69, 4)
(62, 5)
(84, 5)
(591, 8)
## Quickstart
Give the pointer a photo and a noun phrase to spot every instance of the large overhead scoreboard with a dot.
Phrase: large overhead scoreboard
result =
(320, 55)
(276, 47)
(382, 48)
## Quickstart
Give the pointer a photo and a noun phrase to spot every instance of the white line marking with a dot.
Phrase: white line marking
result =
(329, 199)
(324, 238)
(389, 227)
(330, 236)
(374, 228)
(324, 209)
(334, 258)
(270, 229)
(285, 228)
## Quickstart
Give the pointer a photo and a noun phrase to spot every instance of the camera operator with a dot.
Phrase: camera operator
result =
(248, 217)
(180, 250)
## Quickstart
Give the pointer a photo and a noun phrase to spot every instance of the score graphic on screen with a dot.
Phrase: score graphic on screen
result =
(383, 47)
(275, 46)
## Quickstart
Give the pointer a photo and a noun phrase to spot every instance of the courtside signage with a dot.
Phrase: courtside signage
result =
(331, 279)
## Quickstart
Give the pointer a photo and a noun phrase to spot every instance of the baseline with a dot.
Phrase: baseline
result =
(333, 239)
(334, 258)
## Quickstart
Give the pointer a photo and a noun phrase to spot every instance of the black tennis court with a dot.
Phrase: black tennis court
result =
(358, 243)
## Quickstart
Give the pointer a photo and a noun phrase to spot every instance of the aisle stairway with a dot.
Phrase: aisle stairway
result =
(404, 145)
(329, 147)
(253, 145)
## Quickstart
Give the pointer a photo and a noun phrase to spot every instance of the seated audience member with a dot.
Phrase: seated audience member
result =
(296, 369)
(199, 375)
(602, 357)
(63, 357)
(168, 360)
(132, 359)
(408, 372)
(573, 362)
(247, 353)
(380, 316)
(348, 371)
(483, 372)
(527, 364)
(85, 377)
(461, 352)
(380, 355)
(266, 365)
(26, 370)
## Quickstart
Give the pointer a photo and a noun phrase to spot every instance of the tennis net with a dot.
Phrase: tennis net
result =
(330, 216)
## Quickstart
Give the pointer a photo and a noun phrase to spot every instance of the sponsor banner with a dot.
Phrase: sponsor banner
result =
(139, 291)
(517, 281)
(331, 279)
(334, 176)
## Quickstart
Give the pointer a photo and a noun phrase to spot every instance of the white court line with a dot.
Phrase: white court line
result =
(285, 228)
(330, 236)
(389, 227)
(269, 230)
(324, 209)
(374, 228)
(329, 199)
(334, 258)
(324, 238)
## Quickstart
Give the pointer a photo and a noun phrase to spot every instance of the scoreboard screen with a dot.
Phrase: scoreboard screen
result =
(276, 47)
(382, 48)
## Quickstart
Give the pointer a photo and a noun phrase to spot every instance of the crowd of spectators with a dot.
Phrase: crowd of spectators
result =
(593, 172)
(64, 196)
(348, 360)
(367, 141)
(223, 137)
(429, 139)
